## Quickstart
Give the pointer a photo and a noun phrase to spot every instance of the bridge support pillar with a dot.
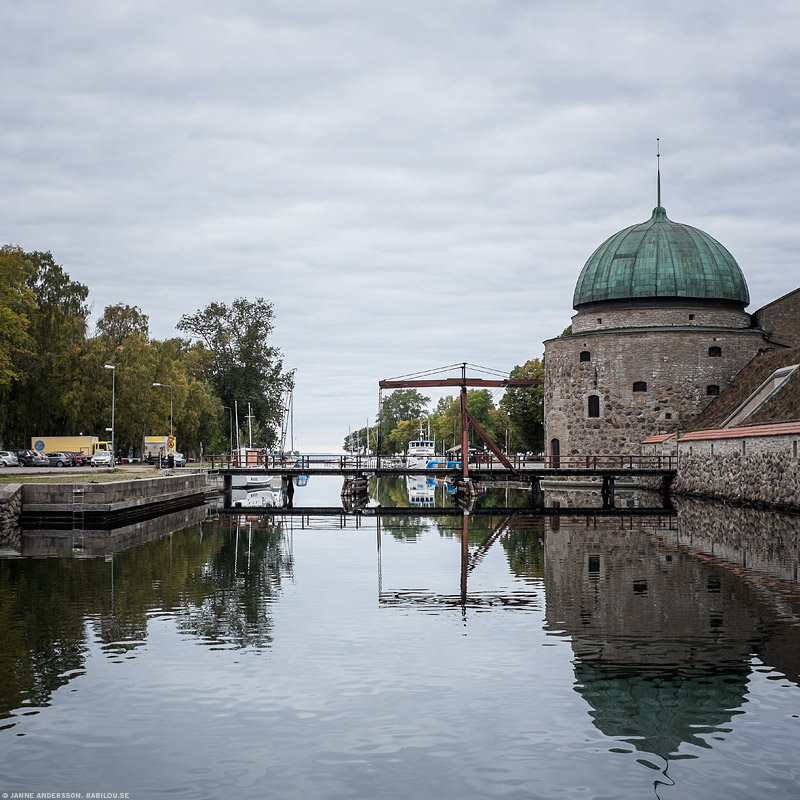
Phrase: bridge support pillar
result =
(227, 490)
(537, 495)
(607, 491)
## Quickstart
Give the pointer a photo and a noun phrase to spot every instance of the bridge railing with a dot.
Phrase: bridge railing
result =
(589, 462)
(343, 463)
(256, 460)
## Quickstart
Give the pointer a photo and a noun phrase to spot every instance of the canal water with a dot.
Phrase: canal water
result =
(646, 654)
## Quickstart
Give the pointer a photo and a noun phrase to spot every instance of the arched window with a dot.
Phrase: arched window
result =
(714, 352)
(712, 390)
(640, 386)
(586, 355)
(594, 405)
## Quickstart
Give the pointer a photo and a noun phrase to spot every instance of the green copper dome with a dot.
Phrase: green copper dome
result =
(660, 261)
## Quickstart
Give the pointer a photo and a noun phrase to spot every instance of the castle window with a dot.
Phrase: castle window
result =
(712, 390)
(586, 355)
(599, 320)
(714, 352)
(640, 386)
(691, 316)
(594, 405)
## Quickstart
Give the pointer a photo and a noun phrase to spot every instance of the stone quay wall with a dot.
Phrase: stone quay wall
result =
(767, 475)
(10, 508)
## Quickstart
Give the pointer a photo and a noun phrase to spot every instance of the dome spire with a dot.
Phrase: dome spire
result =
(658, 170)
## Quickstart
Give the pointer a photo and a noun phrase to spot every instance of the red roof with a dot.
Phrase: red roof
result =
(658, 438)
(776, 429)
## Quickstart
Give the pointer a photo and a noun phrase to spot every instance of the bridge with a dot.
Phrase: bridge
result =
(486, 469)
(482, 468)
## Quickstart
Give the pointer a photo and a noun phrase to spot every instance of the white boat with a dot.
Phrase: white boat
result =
(421, 490)
(420, 452)
(261, 498)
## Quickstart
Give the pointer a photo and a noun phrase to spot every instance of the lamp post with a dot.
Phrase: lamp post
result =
(168, 386)
(113, 369)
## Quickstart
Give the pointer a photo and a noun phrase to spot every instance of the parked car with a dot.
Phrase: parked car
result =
(103, 458)
(79, 459)
(31, 458)
(8, 459)
(59, 459)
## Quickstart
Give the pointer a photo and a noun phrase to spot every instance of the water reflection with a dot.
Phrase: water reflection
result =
(662, 624)
(216, 579)
(664, 633)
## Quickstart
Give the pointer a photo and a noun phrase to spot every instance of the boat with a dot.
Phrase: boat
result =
(261, 498)
(421, 490)
(420, 452)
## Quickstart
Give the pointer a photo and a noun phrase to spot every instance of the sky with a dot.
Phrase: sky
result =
(409, 184)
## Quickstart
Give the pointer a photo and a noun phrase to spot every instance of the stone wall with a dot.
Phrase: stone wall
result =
(610, 319)
(673, 363)
(10, 508)
(782, 319)
(146, 489)
(767, 474)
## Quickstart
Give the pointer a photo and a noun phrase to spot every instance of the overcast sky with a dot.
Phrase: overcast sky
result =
(411, 184)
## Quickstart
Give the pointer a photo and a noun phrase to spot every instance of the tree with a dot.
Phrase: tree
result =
(524, 406)
(406, 431)
(244, 367)
(446, 420)
(120, 322)
(401, 405)
(16, 305)
(50, 386)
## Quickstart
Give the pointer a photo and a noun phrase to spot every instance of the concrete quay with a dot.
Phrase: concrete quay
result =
(92, 505)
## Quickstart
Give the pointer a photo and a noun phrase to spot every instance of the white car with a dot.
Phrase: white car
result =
(103, 458)
(8, 459)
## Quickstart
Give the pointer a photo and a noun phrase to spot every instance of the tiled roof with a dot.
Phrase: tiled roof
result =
(658, 438)
(776, 429)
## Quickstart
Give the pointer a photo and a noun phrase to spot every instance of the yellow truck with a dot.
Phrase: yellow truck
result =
(88, 445)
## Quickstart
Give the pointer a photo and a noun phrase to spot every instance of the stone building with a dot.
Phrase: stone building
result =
(660, 331)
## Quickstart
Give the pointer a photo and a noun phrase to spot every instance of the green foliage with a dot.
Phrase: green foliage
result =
(402, 405)
(244, 367)
(524, 408)
(446, 419)
(16, 305)
(53, 379)
(45, 395)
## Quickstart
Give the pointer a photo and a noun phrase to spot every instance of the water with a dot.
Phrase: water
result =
(569, 657)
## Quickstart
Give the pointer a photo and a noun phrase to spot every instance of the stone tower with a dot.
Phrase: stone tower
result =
(660, 330)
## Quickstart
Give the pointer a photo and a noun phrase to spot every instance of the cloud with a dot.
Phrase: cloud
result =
(410, 184)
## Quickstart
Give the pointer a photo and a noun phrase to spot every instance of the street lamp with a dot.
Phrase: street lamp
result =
(168, 386)
(113, 369)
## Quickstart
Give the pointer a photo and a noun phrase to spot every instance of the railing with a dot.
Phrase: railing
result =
(345, 463)
(594, 462)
